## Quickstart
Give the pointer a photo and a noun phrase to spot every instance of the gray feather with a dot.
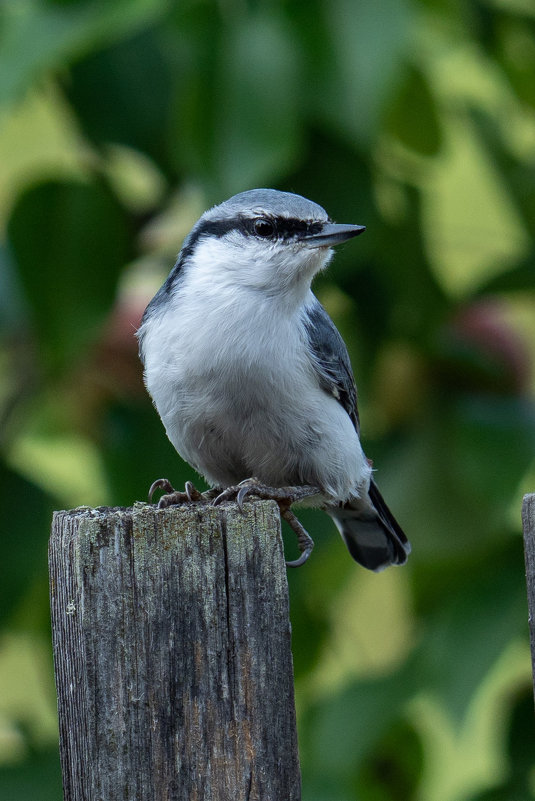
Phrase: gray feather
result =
(331, 359)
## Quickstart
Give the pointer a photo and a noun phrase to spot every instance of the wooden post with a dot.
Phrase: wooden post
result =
(172, 654)
(528, 523)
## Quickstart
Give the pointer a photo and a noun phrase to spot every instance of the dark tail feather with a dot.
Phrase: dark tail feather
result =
(373, 536)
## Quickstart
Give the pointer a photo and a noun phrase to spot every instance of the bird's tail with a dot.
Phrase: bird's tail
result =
(372, 534)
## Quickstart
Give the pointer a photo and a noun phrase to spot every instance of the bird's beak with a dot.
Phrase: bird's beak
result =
(332, 234)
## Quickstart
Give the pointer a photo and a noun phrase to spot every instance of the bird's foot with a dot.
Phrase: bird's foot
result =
(305, 543)
(174, 497)
(284, 497)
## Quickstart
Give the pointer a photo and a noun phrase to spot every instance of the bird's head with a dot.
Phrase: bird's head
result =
(263, 239)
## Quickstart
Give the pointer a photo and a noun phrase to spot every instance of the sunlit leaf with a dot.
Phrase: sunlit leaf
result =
(518, 785)
(367, 42)
(472, 626)
(518, 177)
(256, 119)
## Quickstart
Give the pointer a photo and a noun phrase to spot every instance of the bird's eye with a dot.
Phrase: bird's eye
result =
(264, 228)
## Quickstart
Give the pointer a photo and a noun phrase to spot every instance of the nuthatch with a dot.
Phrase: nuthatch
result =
(251, 378)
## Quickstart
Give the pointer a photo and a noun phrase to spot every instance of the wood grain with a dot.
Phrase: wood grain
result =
(172, 654)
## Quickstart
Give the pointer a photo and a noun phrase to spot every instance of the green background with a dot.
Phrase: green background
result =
(120, 122)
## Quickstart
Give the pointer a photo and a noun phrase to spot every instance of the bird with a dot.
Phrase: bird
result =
(253, 381)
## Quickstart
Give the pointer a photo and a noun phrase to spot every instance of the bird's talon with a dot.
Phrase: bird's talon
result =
(160, 483)
(192, 493)
(173, 497)
(242, 494)
(220, 498)
(237, 493)
(301, 561)
(304, 540)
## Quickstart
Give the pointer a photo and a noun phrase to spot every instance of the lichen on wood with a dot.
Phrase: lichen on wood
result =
(172, 654)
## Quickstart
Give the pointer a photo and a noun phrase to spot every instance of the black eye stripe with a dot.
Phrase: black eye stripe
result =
(283, 227)
(288, 227)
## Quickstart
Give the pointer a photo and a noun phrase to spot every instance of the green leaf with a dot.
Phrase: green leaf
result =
(494, 443)
(27, 515)
(195, 34)
(38, 776)
(517, 175)
(345, 728)
(38, 37)
(257, 135)
(413, 116)
(521, 740)
(393, 770)
(136, 451)
(367, 43)
(518, 278)
(12, 310)
(237, 114)
(516, 52)
(105, 90)
(467, 459)
(69, 241)
(481, 611)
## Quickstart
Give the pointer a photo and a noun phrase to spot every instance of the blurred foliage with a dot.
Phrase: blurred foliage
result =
(119, 123)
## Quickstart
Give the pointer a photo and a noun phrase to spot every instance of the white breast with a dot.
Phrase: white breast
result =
(235, 388)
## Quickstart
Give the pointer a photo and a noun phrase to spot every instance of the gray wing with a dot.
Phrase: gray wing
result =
(331, 359)
(372, 534)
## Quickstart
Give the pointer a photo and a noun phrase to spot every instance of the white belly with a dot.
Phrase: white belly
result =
(252, 408)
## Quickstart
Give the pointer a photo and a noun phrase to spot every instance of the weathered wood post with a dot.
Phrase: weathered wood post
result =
(528, 524)
(172, 654)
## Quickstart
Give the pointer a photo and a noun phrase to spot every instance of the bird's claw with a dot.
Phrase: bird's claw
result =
(172, 496)
(160, 483)
(284, 497)
(239, 492)
(305, 542)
